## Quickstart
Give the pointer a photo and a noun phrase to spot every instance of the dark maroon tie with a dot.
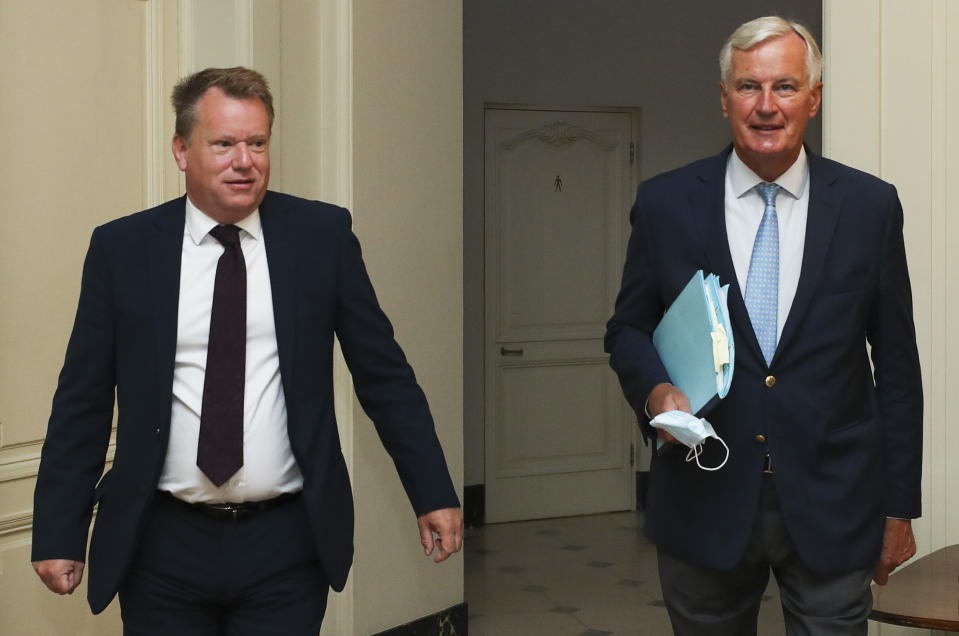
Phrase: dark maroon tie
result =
(220, 451)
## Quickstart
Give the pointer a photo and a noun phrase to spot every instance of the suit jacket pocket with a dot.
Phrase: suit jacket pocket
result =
(848, 424)
(833, 287)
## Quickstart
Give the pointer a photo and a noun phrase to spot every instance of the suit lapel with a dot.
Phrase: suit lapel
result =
(821, 220)
(165, 249)
(280, 258)
(709, 200)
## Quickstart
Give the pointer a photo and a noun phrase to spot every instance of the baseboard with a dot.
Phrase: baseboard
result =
(642, 486)
(474, 505)
(448, 622)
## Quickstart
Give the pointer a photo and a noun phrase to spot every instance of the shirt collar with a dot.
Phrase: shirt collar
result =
(198, 224)
(794, 181)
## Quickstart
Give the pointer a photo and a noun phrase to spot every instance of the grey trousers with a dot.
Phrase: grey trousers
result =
(707, 602)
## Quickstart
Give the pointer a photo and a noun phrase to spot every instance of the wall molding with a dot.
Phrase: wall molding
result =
(22, 521)
(21, 461)
(243, 32)
(16, 522)
(336, 102)
(186, 57)
(154, 103)
(335, 174)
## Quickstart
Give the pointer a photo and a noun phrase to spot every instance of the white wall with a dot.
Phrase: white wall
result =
(658, 56)
(408, 180)
(892, 81)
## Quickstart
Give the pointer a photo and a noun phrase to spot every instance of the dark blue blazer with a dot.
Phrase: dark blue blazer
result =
(845, 443)
(123, 344)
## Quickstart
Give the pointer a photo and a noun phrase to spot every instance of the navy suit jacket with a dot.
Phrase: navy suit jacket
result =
(123, 344)
(845, 442)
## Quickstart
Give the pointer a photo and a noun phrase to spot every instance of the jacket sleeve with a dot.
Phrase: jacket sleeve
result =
(892, 335)
(78, 432)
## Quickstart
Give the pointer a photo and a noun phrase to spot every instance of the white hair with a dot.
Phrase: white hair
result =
(759, 30)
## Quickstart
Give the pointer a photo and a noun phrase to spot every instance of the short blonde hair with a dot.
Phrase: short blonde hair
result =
(237, 82)
(759, 30)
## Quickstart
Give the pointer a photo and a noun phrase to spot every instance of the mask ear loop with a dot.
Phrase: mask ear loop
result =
(697, 450)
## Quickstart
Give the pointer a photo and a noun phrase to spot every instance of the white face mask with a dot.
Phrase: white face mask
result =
(690, 431)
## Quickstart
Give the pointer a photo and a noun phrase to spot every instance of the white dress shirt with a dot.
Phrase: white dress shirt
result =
(269, 468)
(744, 212)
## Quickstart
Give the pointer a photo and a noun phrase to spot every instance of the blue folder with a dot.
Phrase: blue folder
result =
(694, 340)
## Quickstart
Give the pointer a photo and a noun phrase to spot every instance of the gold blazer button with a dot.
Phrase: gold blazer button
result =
(760, 439)
(770, 381)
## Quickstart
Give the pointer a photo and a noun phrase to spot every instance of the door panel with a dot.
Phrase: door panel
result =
(558, 184)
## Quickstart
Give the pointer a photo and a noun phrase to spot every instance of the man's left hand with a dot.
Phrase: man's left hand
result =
(448, 524)
(898, 546)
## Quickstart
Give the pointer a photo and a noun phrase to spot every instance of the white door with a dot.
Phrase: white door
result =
(558, 432)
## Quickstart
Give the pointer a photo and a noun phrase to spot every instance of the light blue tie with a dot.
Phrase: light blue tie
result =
(762, 282)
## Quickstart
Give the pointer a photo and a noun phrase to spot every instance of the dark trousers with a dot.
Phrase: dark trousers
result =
(707, 602)
(195, 575)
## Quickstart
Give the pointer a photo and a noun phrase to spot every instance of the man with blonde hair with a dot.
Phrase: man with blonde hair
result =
(211, 320)
(823, 474)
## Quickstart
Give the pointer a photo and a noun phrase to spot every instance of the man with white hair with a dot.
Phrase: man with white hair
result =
(825, 451)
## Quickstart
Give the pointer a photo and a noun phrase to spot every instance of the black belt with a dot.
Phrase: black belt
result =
(232, 511)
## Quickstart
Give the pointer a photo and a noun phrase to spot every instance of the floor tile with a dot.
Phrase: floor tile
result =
(579, 576)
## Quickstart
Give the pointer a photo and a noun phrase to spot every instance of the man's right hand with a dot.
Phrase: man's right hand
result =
(60, 575)
(666, 397)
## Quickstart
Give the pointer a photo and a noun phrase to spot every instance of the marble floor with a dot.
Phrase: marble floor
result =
(576, 576)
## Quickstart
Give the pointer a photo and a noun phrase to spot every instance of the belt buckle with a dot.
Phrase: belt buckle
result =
(229, 510)
(233, 510)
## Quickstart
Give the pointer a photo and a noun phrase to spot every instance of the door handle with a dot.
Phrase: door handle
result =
(510, 352)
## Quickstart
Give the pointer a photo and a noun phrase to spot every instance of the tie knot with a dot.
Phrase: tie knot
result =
(768, 192)
(227, 235)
